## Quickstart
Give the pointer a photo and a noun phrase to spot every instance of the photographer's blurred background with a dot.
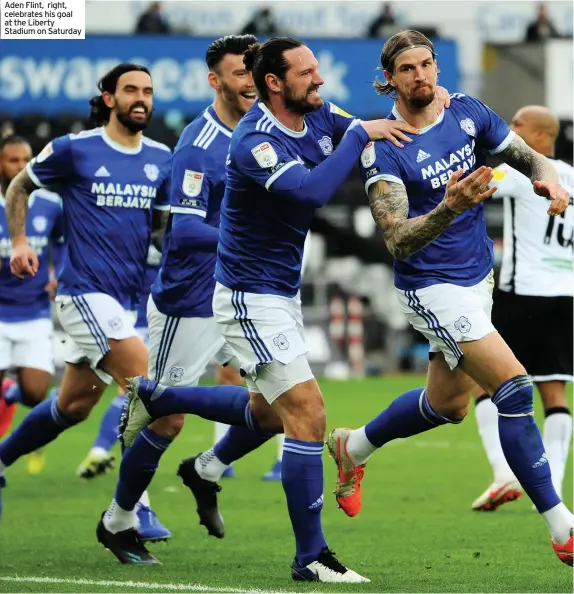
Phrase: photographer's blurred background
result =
(508, 54)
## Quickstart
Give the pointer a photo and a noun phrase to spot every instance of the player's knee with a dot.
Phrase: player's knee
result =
(168, 427)
(78, 408)
(306, 418)
(515, 396)
(267, 418)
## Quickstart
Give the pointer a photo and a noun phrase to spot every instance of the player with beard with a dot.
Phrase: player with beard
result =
(428, 200)
(287, 157)
(114, 183)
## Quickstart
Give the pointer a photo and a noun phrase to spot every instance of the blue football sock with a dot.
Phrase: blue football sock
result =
(522, 443)
(409, 414)
(302, 478)
(138, 467)
(13, 395)
(226, 404)
(238, 442)
(40, 426)
(109, 426)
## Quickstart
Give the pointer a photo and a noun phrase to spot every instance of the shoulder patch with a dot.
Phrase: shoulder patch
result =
(336, 109)
(46, 152)
(368, 155)
(265, 155)
(192, 183)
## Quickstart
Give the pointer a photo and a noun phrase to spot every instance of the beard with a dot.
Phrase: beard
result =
(422, 99)
(131, 124)
(300, 104)
(233, 99)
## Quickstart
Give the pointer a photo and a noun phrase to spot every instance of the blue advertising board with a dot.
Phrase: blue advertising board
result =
(59, 76)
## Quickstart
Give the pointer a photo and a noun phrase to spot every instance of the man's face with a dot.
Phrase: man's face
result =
(522, 125)
(13, 158)
(237, 85)
(414, 77)
(132, 101)
(302, 81)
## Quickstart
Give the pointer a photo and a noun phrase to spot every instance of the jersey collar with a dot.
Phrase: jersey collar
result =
(279, 125)
(211, 116)
(399, 117)
(118, 147)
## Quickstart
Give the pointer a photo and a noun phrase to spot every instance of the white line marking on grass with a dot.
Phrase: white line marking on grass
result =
(138, 585)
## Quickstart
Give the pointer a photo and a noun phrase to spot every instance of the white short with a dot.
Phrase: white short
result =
(266, 334)
(89, 320)
(181, 348)
(27, 344)
(448, 314)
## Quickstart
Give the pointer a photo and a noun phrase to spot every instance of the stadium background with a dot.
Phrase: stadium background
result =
(354, 327)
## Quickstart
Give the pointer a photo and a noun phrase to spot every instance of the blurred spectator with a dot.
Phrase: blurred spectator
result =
(262, 23)
(152, 21)
(541, 28)
(384, 23)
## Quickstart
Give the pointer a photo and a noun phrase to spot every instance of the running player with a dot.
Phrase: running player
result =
(533, 305)
(110, 180)
(443, 276)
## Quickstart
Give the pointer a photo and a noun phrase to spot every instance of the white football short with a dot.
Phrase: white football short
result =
(448, 314)
(266, 334)
(27, 344)
(181, 348)
(89, 320)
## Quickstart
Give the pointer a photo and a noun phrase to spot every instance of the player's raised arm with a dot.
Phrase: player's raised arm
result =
(403, 236)
(540, 171)
(24, 259)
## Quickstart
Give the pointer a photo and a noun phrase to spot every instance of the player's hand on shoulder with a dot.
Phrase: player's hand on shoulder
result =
(442, 99)
(465, 194)
(23, 260)
(556, 193)
(393, 130)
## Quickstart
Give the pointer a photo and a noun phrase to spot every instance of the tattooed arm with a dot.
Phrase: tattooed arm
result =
(23, 259)
(526, 160)
(403, 236)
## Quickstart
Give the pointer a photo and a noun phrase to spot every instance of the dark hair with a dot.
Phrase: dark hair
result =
(394, 46)
(268, 58)
(100, 112)
(12, 138)
(230, 44)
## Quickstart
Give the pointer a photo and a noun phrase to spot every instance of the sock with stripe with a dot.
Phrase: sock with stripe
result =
(409, 414)
(557, 436)
(14, 395)
(302, 478)
(138, 467)
(487, 422)
(108, 432)
(40, 426)
(226, 404)
(524, 450)
(280, 444)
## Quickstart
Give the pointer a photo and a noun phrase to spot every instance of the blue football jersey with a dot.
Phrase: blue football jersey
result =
(151, 270)
(108, 192)
(462, 135)
(185, 284)
(263, 228)
(26, 299)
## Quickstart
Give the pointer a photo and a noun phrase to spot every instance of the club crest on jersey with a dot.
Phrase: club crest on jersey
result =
(40, 223)
(326, 145)
(192, 182)
(468, 126)
(265, 155)
(463, 325)
(368, 155)
(46, 152)
(151, 171)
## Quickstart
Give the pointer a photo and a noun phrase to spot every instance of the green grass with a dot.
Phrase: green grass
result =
(416, 532)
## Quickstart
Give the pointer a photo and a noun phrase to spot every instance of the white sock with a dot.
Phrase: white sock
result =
(220, 431)
(280, 443)
(359, 447)
(557, 435)
(209, 466)
(117, 519)
(144, 500)
(487, 421)
(2, 467)
(99, 452)
(560, 521)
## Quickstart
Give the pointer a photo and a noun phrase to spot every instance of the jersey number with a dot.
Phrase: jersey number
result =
(555, 232)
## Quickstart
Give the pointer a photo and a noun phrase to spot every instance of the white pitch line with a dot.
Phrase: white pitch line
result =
(138, 585)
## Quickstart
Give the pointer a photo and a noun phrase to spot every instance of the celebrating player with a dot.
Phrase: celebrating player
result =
(533, 306)
(433, 223)
(110, 179)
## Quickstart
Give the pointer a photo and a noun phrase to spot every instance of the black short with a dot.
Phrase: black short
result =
(539, 332)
